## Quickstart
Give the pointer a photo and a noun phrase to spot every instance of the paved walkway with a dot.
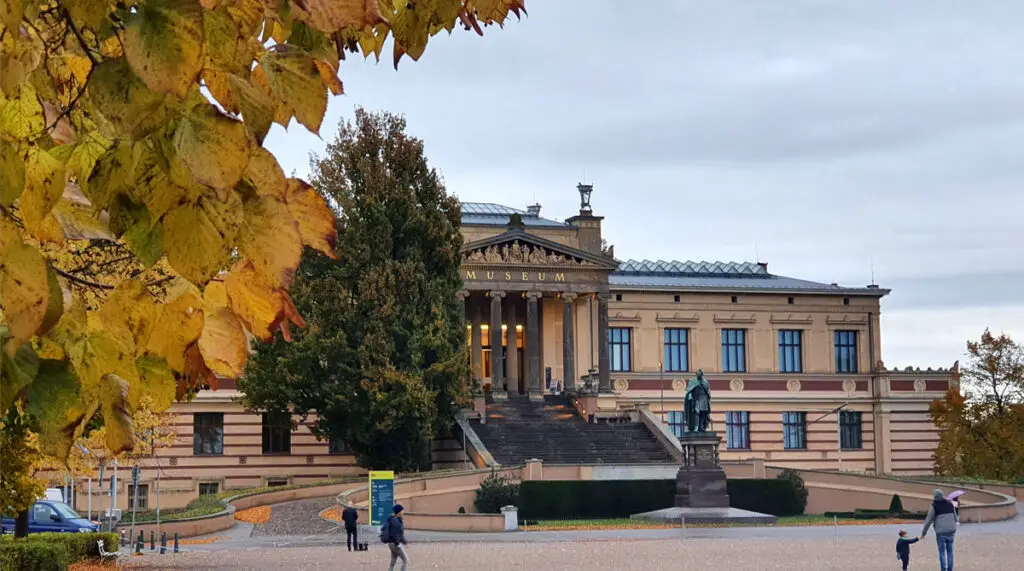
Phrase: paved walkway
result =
(299, 518)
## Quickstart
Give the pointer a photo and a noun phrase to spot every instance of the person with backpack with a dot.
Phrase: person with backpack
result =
(943, 516)
(393, 534)
(350, 516)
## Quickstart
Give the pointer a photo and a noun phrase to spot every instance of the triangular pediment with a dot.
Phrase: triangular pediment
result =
(520, 248)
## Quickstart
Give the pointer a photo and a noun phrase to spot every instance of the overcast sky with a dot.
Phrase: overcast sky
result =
(823, 137)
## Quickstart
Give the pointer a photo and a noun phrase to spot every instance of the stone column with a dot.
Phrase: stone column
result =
(603, 366)
(512, 354)
(476, 352)
(568, 341)
(497, 377)
(533, 381)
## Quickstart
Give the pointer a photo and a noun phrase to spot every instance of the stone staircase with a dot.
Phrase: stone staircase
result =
(518, 429)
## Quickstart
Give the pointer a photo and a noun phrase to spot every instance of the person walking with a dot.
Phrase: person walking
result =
(393, 534)
(350, 516)
(903, 544)
(943, 517)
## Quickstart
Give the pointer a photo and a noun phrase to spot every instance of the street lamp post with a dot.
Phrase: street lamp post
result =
(661, 383)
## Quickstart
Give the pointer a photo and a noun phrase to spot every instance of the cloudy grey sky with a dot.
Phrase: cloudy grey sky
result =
(829, 137)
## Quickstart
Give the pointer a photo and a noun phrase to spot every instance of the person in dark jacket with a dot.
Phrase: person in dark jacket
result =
(943, 516)
(350, 516)
(903, 544)
(396, 538)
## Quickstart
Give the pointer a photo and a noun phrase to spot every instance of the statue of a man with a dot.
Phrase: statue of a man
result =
(697, 406)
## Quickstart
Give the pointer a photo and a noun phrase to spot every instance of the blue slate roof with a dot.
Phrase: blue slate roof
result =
(490, 214)
(719, 276)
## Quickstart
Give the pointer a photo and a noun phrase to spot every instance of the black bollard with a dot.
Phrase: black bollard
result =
(152, 540)
(163, 543)
(139, 543)
(175, 542)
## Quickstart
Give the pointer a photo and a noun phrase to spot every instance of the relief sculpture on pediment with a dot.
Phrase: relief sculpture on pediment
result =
(516, 253)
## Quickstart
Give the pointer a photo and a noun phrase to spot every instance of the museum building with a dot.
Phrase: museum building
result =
(795, 366)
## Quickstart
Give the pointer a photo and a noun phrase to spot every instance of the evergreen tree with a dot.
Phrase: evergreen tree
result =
(383, 362)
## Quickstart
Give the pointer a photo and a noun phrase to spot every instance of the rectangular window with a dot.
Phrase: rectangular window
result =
(850, 433)
(277, 483)
(790, 353)
(737, 430)
(140, 502)
(734, 350)
(794, 430)
(277, 433)
(619, 348)
(336, 446)
(676, 350)
(675, 423)
(207, 433)
(846, 351)
(209, 488)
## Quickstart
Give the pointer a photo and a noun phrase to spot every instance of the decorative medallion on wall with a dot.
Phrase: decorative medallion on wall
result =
(679, 385)
(919, 385)
(241, 459)
(309, 459)
(793, 385)
(174, 461)
(621, 385)
(849, 387)
(736, 385)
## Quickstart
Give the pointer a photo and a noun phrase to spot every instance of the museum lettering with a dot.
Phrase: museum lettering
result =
(515, 276)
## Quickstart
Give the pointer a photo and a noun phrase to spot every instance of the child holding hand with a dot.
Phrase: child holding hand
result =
(903, 548)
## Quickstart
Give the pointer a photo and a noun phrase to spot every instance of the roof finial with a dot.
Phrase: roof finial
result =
(585, 190)
(872, 262)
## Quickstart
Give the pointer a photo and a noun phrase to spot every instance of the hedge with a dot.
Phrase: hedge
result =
(611, 499)
(46, 551)
(26, 555)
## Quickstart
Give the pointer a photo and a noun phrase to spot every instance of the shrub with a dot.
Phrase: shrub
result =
(462, 510)
(32, 555)
(79, 546)
(799, 487)
(779, 497)
(593, 499)
(494, 493)
(896, 505)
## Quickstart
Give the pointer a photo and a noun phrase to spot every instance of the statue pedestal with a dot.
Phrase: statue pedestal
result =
(700, 482)
(701, 494)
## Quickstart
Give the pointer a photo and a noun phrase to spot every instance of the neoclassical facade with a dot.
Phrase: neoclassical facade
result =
(795, 366)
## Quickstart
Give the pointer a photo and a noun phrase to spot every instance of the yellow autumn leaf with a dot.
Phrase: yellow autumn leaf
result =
(21, 115)
(213, 147)
(329, 75)
(132, 308)
(293, 79)
(17, 371)
(54, 400)
(215, 295)
(90, 147)
(217, 82)
(111, 175)
(24, 289)
(333, 15)
(259, 306)
(314, 218)
(270, 238)
(44, 185)
(12, 173)
(255, 105)
(90, 13)
(101, 353)
(74, 213)
(179, 324)
(124, 100)
(163, 42)
(198, 236)
(265, 174)
(157, 386)
(117, 419)
(223, 343)
(54, 305)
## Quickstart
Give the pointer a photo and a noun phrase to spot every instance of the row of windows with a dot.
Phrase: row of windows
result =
(208, 434)
(734, 350)
(141, 501)
(794, 429)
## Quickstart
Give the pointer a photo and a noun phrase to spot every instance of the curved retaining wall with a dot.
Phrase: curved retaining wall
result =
(843, 492)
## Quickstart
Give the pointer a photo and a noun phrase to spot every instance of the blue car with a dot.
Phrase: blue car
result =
(51, 516)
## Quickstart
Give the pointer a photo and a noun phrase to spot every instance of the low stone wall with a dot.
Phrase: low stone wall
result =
(842, 492)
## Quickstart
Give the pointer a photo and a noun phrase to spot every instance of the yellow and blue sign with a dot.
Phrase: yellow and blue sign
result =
(382, 496)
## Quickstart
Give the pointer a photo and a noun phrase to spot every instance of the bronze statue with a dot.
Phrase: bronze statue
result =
(697, 406)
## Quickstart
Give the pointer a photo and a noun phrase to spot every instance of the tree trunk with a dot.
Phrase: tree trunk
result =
(21, 524)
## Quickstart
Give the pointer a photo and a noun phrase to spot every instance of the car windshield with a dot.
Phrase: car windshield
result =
(65, 510)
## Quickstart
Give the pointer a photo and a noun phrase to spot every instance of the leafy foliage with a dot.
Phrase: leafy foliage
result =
(496, 492)
(382, 364)
(799, 488)
(33, 556)
(981, 432)
(132, 174)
